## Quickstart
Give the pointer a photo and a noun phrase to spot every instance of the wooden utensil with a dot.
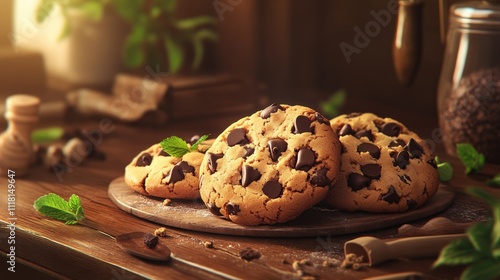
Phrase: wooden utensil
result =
(376, 251)
(435, 226)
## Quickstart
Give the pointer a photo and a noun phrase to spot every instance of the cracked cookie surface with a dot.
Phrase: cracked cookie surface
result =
(155, 173)
(384, 166)
(271, 166)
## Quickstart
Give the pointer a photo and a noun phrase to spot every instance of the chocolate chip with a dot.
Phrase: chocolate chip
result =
(302, 124)
(390, 129)
(186, 168)
(305, 159)
(163, 153)
(276, 147)
(214, 209)
(391, 196)
(144, 160)
(321, 119)
(405, 178)
(273, 108)
(396, 143)
(212, 161)
(372, 149)
(357, 181)
(414, 149)
(175, 174)
(412, 204)
(346, 130)
(320, 178)
(432, 163)
(364, 133)
(150, 240)
(237, 137)
(353, 115)
(272, 189)
(249, 175)
(371, 170)
(402, 159)
(232, 209)
(249, 254)
(248, 152)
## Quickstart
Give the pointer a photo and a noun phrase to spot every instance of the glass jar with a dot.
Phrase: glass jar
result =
(469, 85)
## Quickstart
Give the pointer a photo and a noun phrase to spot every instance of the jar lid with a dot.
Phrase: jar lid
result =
(481, 10)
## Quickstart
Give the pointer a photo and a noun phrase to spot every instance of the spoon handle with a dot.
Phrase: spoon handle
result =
(420, 247)
(434, 226)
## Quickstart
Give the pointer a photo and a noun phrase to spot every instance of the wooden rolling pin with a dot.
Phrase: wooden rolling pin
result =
(434, 226)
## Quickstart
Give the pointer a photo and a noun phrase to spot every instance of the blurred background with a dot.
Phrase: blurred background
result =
(297, 51)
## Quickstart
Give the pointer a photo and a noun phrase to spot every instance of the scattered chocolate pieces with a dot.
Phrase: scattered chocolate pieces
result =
(248, 152)
(346, 130)
(249, 254)
(396, 143)
(370, 148)
(175, 175)
(321, 179)
(276, 147)
(391, 196)
(212, 161)
(214, 209)
(302, 124)
(364, 133)
(272, 189)
(371, 171)
(273, 108)
(415, 150)
(390, 129)
(144, 160)
(305, 159)
(237, 137)
(321, 119)
(353, 261)
(357, 181)
(150, 240)
(249, 175)
(402, 159)
(208, 244)
(232, 209)
(186, 168)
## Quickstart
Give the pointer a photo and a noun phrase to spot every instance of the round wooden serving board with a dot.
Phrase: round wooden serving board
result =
(193, 215)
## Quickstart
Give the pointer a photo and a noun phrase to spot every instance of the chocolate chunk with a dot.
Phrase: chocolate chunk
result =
(402, 159)
(357, 181)
(150, 240)
(396, 143)
(405, 178)
(237, 137)
(249, 175)
(232, 209)
(321, 179)
(186, 168)
(248, 152)
(321, 119)
(432, 163)
(390, 129)
(364, 133)
(212, 161)
(163, 153)
(302, 124)
(353, 115)
(305, 159)
(415, 150)
(273, 108)
(371, 171)
(346, 130)
(175, 174)
(372, 149)
(412, 204)
(276, 147)
(214, 209)
(144, 160)
(272, 189)
(249, 254)
(391, 196)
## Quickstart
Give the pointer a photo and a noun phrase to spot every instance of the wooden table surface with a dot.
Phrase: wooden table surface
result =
(79, 252)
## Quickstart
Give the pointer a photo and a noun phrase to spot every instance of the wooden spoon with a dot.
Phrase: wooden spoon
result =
(435, 226)
(376, 251)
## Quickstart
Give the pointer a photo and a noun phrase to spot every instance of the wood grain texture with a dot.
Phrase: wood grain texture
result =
(193, 215)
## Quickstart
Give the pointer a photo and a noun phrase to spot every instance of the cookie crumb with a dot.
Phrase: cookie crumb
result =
(167, 202)
(249, 254)
(161, 232)
(353, 261)
(150, 240)
(298, 265)
(208, 244)
(328, 263)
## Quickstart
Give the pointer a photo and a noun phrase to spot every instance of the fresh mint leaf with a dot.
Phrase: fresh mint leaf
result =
(54, 206)
(470, 157)
(480, 236)
(175, 146)
(195, 145)
(331, 107)
(458, 252)
(485, 269)
(445, 170)
(46, 135)
(495, 182)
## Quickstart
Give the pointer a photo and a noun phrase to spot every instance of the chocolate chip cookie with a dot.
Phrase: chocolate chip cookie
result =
(384, 166)
(271, 166)
(153, 172)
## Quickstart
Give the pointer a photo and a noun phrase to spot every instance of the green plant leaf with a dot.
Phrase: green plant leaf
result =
(485, 270)
(175, 146)
(195, 145)
(128, 10)
(470, 157)
(480, 236)
(54, 206)
(93, 10)
(495, 205)
(46, 135)
(198, 38)
(194, 22)
(331, 107)
(167, 5)
(43, 10)
(458, 252)
(133, 52)
(445, 171)
(175, 54)
(494, 182)
(67, 23)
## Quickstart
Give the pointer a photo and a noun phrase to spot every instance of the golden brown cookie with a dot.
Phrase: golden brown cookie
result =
(384, 166)
(271, 166)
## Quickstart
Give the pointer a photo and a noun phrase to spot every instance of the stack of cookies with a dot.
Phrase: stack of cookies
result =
(271, 166)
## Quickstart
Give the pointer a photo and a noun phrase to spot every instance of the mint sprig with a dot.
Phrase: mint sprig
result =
(481, 249)
(46, 135)
(54, 206)
(177, 147)
(331, 107)
(470, 157)
(495, 182)
(445, 170)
